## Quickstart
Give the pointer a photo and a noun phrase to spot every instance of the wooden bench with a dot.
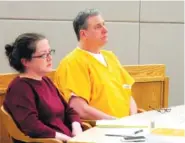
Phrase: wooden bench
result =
(150, 89)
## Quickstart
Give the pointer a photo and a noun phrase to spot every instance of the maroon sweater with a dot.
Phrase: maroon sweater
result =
(38, 109)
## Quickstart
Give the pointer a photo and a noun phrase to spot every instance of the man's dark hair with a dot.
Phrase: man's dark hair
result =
(80, 21)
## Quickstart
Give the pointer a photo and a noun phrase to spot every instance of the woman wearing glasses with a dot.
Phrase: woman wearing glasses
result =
(32, 99)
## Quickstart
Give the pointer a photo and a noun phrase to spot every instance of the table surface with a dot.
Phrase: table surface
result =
(173, 119)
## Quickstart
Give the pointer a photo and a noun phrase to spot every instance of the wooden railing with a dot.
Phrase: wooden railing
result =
(150, 89)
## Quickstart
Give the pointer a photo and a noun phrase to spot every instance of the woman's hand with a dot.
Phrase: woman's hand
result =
(76, 128)
(62, 137)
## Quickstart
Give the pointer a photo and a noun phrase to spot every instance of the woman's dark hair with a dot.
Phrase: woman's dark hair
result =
(23, 47)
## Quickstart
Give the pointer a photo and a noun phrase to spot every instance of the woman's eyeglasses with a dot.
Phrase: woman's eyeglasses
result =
(46, 55)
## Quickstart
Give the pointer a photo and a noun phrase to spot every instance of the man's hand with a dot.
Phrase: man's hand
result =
(133, 106)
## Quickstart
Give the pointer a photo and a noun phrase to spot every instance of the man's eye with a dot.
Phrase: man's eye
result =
(98, 26)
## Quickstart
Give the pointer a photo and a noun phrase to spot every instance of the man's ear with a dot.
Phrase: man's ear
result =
(83, 33)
